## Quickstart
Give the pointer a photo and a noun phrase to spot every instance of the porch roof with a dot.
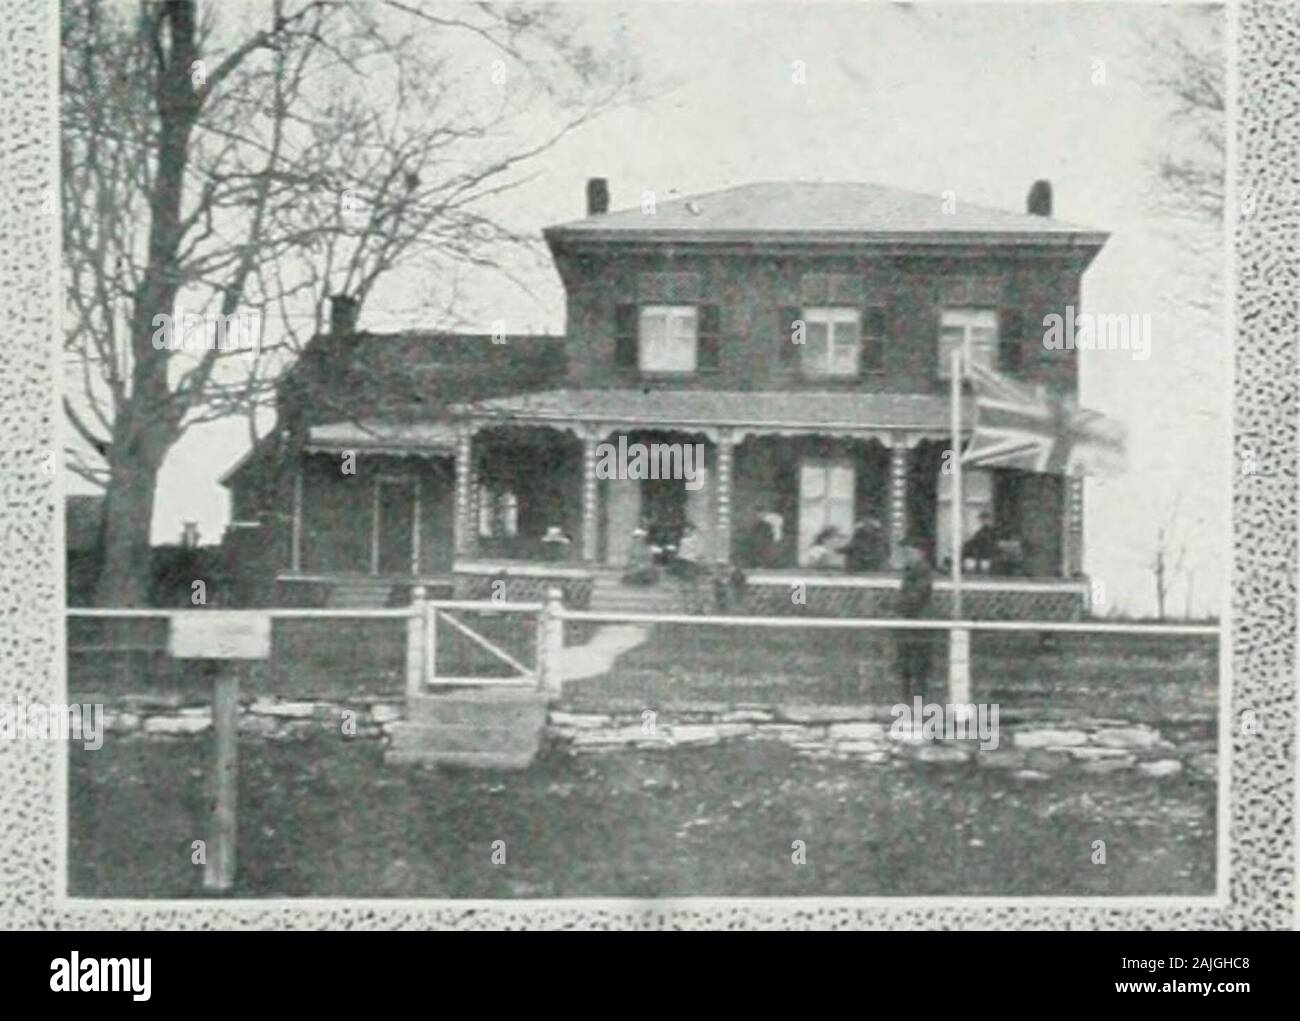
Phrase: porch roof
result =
(835, 411)
(374, 435)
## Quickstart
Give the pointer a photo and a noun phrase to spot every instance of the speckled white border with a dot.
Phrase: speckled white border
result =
(1259, 889)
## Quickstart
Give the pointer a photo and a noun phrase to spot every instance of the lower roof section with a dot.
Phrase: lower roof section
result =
(381, 436)
(836, 412)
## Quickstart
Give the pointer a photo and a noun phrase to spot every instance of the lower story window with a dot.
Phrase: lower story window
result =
(977, 499)
(498, 513)
(825, 504)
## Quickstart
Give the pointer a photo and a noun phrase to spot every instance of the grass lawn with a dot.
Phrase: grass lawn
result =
(325, 817)
(1130, 678)
(1151, 679)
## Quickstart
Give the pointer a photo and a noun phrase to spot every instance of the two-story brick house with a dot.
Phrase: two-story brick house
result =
(798, 333)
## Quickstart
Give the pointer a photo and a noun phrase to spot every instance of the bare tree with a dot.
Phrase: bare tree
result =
(218, 174)
(1167, 562)
(1189, 66)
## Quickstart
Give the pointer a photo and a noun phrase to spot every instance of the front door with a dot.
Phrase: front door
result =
(394, 532)
(663, 508)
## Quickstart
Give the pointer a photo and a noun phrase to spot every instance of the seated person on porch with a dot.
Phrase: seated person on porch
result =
(1009, 554)
(686, 558)
(826, 548)
(758, 542)
(556, 543)
(978, 550)
(866, 547)
(641, 569)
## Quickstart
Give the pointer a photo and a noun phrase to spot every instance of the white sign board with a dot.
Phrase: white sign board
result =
(221, 634)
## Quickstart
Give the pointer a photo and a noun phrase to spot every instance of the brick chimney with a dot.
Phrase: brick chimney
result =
(343, 314)
(597, 196)
(1039, 202)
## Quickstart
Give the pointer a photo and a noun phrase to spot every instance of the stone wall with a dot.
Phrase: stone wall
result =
(1030, 748)
(166, 716)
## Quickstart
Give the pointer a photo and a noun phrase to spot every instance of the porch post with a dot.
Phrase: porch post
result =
(722, 491)
(589, 495)
(1072, 527)
(462, 526)
(898, 463)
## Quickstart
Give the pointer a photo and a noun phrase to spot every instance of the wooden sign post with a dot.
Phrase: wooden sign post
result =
(229, 639)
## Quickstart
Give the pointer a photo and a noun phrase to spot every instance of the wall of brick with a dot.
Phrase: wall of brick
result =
(751, 288)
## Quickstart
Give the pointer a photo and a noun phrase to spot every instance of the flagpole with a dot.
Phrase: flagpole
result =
(957, 507)
(958, 638)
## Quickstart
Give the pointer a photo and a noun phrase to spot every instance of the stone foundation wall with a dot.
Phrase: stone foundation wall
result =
(1032, 749)
(163, 716)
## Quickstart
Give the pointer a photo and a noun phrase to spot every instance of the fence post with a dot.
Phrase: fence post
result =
(958, 666)
(550, 642)
(219, 873)
(415, 644)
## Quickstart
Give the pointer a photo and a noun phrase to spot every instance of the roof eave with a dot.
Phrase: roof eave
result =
(921, 240)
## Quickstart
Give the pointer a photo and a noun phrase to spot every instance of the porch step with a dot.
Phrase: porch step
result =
(360, 594)
(479, 707)
(483, 728)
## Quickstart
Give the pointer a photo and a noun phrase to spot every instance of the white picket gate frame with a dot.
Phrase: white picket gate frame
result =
(422, 643)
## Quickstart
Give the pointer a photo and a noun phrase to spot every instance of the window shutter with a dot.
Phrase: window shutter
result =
(786, 317)
(625, 336)
(1011, 330)
(709, 337)
(874, 330)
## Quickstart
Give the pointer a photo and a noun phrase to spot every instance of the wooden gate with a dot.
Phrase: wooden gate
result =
(504, 646)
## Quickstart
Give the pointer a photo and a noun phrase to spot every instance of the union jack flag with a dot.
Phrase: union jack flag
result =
(1016, 427)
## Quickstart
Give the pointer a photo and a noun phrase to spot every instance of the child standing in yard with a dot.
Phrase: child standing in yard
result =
(913, 602)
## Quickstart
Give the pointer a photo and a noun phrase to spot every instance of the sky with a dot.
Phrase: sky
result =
(976, 99)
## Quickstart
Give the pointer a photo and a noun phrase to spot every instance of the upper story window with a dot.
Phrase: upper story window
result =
(975, 330)
(667, 338)
(676, 339)
(832, 342)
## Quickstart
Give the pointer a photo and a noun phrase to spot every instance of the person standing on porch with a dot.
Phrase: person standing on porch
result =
(914, 647)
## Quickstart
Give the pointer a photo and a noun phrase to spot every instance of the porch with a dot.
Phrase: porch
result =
(602, 472)
(571, 488)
